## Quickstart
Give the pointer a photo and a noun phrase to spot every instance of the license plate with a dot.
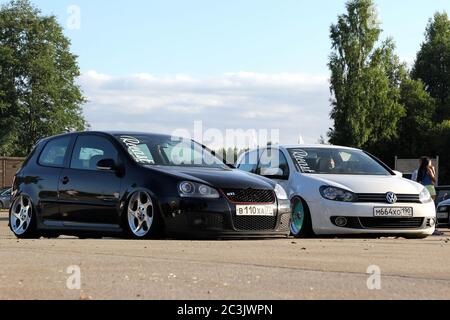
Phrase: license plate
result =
(255, 210)
(393, 212)
(442, 215)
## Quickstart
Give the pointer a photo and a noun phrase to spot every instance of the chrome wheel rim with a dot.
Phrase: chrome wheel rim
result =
(298, 218)
(21, 214)
(140, 214)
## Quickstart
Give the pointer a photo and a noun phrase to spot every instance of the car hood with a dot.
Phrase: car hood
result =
(445, 203)
(219, 178)
(370, 184)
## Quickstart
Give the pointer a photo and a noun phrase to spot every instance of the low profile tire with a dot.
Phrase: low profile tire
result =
(22, 218)
(51, 235)
(301, 224)
(416, 237)
(141, 220)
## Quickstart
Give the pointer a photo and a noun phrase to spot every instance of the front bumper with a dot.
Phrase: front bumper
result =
(361, 220)
(443, 217)
(216, 218)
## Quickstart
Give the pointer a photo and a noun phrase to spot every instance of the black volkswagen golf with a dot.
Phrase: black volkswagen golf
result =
(143, 186)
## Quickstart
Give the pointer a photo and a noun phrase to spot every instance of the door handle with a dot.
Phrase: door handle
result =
(65, 180)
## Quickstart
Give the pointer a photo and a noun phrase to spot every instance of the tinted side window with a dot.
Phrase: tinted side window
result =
(249, 162)
(443, 195)
(55, 152)
(89, 150)
(274, 159)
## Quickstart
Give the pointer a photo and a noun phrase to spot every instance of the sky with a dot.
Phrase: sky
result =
(159, 66)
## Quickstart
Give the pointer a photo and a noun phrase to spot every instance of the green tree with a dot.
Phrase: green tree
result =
(439, 146)
(364, 79)
(416, 128)
(432, 65)
(38, 93)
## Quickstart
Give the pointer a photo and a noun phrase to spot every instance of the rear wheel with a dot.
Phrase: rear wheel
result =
(22, 219)
(141, 220)
(301, 225)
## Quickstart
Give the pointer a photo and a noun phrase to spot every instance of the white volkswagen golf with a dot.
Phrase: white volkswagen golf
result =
(338, 191)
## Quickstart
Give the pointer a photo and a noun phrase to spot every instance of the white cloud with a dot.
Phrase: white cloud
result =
(296, 104)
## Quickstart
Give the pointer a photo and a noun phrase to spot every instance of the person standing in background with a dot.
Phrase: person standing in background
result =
(426, 176)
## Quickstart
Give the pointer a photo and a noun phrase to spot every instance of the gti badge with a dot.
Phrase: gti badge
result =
(391, 198)
(231, 194)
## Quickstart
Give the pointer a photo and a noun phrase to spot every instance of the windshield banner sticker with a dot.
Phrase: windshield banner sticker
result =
(134, 150)
(300, 157)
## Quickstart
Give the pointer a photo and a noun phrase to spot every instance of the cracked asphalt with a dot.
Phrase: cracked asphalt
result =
(224, 270)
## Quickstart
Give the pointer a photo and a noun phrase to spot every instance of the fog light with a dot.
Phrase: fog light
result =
(341, 221)
(199, 222)
(432, 222)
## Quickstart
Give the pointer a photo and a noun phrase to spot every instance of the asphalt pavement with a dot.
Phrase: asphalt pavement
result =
(69, 268)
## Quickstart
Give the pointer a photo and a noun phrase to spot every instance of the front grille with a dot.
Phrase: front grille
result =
(208, 221)
(381, 198)
(392, 223)
(285, 222)
(249, 195)
(215, 221)
(258, 223)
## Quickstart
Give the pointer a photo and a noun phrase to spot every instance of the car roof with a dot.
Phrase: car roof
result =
(315, 146)
(110, 133)
(134, 133)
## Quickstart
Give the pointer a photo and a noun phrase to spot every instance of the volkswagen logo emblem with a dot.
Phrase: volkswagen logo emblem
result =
(391, 197)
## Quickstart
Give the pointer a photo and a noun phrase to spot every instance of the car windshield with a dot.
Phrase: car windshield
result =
(336, 161)
(168, 151)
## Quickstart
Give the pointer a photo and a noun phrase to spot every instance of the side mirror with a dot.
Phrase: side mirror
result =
(106, 165)
(269, 172)
(398, 174)
(273, 173)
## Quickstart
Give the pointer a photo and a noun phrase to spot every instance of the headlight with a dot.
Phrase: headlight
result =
(425, 196)
(281, 193)
(337, 194)
(442, 209)
(196, 190)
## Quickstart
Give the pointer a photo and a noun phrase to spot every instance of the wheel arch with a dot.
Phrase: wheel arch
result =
(307, 209)
(129, 194)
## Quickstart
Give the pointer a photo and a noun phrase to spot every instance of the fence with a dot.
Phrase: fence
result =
(8, 168)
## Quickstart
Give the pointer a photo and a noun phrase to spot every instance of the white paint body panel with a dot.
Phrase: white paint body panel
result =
(307, 186)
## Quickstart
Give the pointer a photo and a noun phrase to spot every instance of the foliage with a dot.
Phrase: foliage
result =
(38, 93)
(364, 79)
(432, 65)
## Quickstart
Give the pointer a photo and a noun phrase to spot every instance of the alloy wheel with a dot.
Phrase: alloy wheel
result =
(140, 214)
(21, 215)
(298, 218)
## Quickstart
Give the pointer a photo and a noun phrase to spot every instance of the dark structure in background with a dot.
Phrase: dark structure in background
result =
(408, 166)
(8, 168)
